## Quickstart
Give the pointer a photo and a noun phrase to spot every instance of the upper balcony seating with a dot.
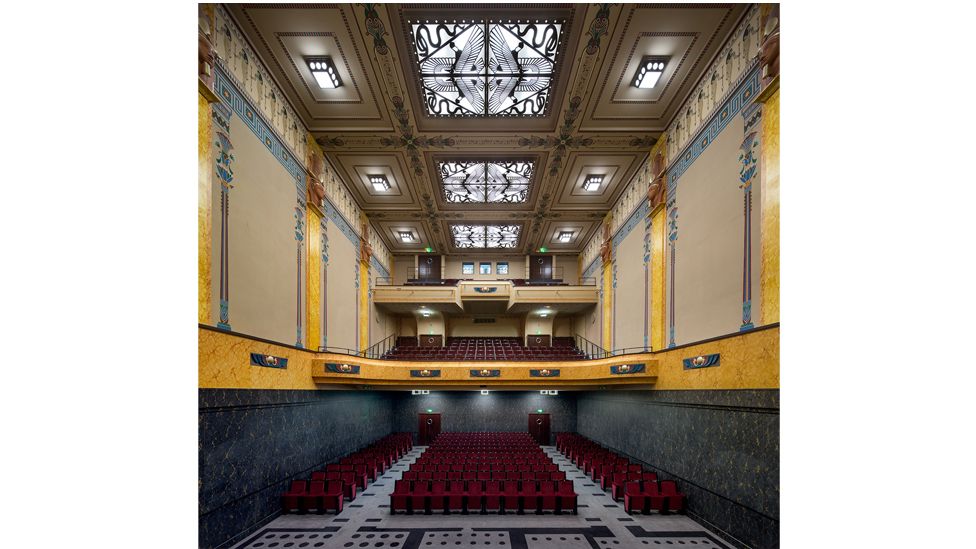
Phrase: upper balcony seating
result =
(431, 282)
(327, 488)
(481, 472)
(641, 490)
(484, 348)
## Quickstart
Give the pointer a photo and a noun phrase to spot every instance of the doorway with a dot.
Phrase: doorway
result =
(539, 428)
(540, 267)
(429, 428)
(429, 267)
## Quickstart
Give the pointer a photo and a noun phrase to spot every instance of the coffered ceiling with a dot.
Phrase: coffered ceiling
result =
(595, 123)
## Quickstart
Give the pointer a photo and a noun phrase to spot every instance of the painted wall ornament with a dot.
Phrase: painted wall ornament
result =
(747, 172)
(376, 29)
(657, 191)
(225, 175)
(598, 28)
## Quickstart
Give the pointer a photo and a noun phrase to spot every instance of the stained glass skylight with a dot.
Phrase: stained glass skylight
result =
(486, 68)
(486, 181)
(485, 236)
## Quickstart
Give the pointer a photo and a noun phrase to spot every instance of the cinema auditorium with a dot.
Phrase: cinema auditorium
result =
(488, 276)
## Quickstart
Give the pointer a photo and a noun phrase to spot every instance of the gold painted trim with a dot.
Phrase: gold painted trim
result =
(769, 228)
(204, 209)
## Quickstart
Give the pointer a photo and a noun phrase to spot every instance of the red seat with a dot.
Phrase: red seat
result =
(312, 499)
(619, 481)
(349, 484)
(332, 498)
(289, 500)
(474, 494)
(567, 495)
(438, 491)
(549, 500)
(400, 497)
(492, 495)
(419, 496)
(510, 495)
(674, 500)
(455, 496)
(529, 496)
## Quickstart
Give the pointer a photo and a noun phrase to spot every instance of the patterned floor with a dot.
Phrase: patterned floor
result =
(366, 522)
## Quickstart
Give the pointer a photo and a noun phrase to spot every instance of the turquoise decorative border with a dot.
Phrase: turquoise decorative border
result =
(743, 94)
(344, 227)
(378, 267)
(334, 368)
(705, 361)
(588, 272)
(230, 93)
(268, 361)
(634, 219)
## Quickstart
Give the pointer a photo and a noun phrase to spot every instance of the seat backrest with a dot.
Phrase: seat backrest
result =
(646, 475)
(318, 475)
(438, 486)
(333, 475)
(335, 486)
(650, 487)
(332, 467)
(421, 486)
(619, 478)
(547, 487)
(511, 487)
(669, 487)
(492, 486)
(349, 477)
(632, 488)
(566, 486)
(410, 475)
(316, 487)
(401, 486)
(528, 487)
(474, 486)
(297, 486)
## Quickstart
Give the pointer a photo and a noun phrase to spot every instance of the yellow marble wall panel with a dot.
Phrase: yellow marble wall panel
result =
(225, 363)
(606, 340)
(769, 272)
(658, 244)
(204, 209)
(363, 305)
(747, 361)
(313, 288)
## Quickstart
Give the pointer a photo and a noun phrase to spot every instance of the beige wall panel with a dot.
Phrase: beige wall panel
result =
(563, 326)
(407, 326)
(262, 258)
(630, 293)
(432, 325)
(403, 267)
(570, 267)
(502, 327)
(535, 325)
(341, 291)
(708, 266)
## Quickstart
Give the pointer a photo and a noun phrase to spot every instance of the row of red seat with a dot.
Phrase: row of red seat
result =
(641, 490)
(483, 496)
(327, 489)
(484, 348)
(485, 475)
(482, 472)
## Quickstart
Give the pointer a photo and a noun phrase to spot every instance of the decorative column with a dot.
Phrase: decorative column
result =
(301, 211)
(656, 197)
(204, 167)
(314, 249)
(365, 253)
(672, 212)
(769, 165)
(606, 255)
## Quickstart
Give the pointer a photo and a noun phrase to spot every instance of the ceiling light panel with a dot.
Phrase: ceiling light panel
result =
(649, 72)
(485, 236)
(485, 67)
(592, 183)
(324, 71)
(486, 182)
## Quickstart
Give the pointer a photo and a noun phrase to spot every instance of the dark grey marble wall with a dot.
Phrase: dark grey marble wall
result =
(722, 447)
(252, 443)
(497, 411)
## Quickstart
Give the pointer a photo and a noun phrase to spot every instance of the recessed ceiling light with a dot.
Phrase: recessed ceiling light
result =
(324, 72)
(379, 183)
(564, 236)
(406, 236)
(592, 183)
(484, 392)
(650, 70)
(544, 315)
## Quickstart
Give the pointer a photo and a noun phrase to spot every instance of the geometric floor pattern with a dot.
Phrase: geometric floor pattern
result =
(366, 523)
